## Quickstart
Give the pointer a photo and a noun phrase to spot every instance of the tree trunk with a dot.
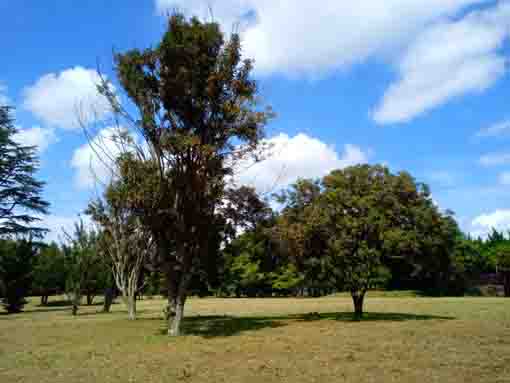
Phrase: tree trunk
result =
(44, 300)
(506, 283)
(357, 299)
(131, 305)
(174, 322)
(108, 299)
(90, 299)
(75, 309)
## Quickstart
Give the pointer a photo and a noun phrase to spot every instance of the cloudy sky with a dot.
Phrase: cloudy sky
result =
(417, 85)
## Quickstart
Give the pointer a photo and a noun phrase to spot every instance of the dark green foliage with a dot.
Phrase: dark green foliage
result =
(49, 277)
(87, 274)
(16, 264)
(20, 192)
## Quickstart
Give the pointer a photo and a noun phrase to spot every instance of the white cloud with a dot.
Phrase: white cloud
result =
(441, 50)
(499, 220)
(448, 59)
(36, 136)
(498, 129)
(303, 37)
(290, 158)
(493, 159)
(93, 161)
(64, 99)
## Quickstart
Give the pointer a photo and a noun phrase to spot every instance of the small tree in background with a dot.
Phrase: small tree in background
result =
(16, 265)
(125, 242)
(85, 269)
(50, 274)
(501, 256)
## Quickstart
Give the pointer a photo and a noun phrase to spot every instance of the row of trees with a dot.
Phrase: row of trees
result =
(301, 249)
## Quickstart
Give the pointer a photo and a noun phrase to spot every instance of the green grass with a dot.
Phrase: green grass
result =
(401, 339)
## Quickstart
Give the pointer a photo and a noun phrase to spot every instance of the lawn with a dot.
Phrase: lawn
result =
(402, 339)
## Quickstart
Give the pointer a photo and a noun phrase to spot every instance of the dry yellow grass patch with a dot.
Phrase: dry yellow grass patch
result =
(264, 340)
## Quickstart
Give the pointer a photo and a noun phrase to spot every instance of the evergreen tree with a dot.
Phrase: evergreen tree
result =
(20, 192)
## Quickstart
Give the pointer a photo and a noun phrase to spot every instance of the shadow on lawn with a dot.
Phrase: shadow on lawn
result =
(222, 326)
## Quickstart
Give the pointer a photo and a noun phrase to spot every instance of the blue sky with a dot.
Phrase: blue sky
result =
(418, 85)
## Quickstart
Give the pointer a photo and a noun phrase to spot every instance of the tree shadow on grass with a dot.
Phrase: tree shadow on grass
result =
(212, 326)
(369, 317)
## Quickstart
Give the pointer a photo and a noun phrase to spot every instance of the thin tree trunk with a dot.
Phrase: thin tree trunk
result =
(357, 299)
(75, 302)
(506, 283)
(131, 305)
(90, 299)
(174, 322)
(108, 299)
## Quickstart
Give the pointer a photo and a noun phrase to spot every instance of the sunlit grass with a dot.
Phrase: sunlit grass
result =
(263, 340)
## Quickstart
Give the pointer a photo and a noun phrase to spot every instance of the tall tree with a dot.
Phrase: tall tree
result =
(198, 116)
(20, 193)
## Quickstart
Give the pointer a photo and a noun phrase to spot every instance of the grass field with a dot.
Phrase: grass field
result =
(402, 339)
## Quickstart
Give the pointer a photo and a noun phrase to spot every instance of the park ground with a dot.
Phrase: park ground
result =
(401, 339)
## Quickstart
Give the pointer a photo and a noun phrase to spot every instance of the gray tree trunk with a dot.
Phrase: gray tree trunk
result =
(131, 306)
(174, 322)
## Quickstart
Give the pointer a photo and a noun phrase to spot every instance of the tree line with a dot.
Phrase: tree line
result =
(298, 250)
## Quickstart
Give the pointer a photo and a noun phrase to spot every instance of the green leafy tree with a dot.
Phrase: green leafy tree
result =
(499, 252)
(50, 274)
(86, 271)
(301, 236)
(369, 214)
(197, 114)
(21, 202)
(16, 266)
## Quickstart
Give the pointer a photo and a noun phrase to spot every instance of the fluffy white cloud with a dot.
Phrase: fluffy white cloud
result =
(441, 50)
(498, 129)
(499, 220)
(290, 158)
(301, 36)
(67, 98)
(493, 159)
(36, 136)
(93, 161)
(448, 59)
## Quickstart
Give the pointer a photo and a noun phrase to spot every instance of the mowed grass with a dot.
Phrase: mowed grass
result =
(402, 339)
